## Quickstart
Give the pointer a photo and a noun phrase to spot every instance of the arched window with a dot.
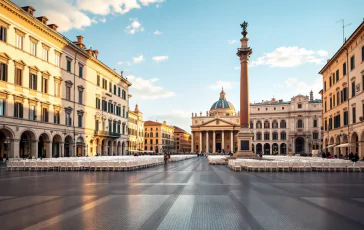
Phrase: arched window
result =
(275, 136)
(151, 134)
(251, 124)
(123, 95)
(275, 124)
(283, 136)
(299, 124)
(283, 124)
(266, 136)
(266, 124)
(259, 125)
(156, 134)
(259, 136)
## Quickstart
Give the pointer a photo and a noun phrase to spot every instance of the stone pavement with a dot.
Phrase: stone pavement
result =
(185, 195)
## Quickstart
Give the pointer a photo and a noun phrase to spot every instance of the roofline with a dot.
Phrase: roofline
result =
(351, 38)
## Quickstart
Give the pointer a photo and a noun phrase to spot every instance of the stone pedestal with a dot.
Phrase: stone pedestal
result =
(245, 144)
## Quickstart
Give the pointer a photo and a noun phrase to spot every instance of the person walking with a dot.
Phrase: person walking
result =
(165, 158)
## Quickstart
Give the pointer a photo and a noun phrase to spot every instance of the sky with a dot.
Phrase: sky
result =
(178, 54)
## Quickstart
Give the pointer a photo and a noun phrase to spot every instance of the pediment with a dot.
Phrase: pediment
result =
(217, 122)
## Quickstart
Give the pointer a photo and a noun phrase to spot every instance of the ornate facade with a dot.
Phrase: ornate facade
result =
(136, 129)
(279, 127)
(343, 97)
(158, 137)
(56, 97)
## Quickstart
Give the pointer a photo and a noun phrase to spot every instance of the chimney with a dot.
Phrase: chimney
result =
(30, 10)
(95, 53)
(43, 19)
(311, 96)
(122, 74)
(164, 123)
(53, 27)
(89, 51)
(79, 42)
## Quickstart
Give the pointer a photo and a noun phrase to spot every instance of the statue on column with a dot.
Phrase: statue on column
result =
(244, 26)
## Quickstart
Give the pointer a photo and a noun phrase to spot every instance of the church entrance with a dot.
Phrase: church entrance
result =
(218, 147)
(300, 145)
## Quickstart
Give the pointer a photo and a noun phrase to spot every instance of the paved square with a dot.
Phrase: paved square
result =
(185, 195)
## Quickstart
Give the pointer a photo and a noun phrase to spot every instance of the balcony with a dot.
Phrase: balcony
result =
(106, 134)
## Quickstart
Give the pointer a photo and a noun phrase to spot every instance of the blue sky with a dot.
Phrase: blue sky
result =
(178, 53)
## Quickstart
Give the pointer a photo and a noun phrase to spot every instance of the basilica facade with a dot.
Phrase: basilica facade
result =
(279, 127)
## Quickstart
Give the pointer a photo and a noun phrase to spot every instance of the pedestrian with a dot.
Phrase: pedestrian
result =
(355, 157)
(165, 158)
(351, 156)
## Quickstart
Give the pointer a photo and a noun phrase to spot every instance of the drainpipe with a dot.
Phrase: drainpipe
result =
(74, 102)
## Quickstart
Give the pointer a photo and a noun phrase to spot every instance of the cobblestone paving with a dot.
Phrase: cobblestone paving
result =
(185, 195)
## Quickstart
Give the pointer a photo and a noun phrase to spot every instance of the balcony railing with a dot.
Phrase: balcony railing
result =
(106, 133)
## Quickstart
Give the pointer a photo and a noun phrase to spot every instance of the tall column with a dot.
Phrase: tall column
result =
(201, 149)
(34, 148)
(293, 146)
(48, 149)
(61, 149)
(222, 141)
(213, 142)
(207, 141)
(14, 148)
(232, 141)
(192, 143)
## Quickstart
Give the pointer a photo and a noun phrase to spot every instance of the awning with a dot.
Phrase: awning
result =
(329, 146)
(345, 145)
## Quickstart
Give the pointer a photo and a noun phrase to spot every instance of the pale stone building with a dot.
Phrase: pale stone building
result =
(182, 140)
(136, 129)
(158, 137)
(56, 97)
(343, 97)
(279, 127)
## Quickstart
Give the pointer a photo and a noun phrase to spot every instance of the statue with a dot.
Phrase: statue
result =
(244, 26)
(192, 114)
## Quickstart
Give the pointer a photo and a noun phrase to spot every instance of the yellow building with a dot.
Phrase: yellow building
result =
(158, 137)
(56, 97)
(135, 130)
(343, 97)
(182, 140)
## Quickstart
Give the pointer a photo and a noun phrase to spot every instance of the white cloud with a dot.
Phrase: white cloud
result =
(219, 84)
(237, 67)
(160, 58)
(146, 89)
(291, 56)
(232, 42)
(138, 59)
(176, 117)
(134, 26)
(157, 6)
(103, 20)
(303, 87)
(157, 32)
(71, 14)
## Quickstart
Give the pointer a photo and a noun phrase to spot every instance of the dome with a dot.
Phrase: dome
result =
(222, 103)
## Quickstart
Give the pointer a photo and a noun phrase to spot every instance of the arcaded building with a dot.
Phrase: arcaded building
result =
(343, 97)
(57, 99)
(279, 127)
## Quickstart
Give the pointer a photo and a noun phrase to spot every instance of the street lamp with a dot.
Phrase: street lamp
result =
(6, 146)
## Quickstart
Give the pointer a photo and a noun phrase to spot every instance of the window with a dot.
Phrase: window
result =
(68, 93)
(325, 125)
(18, 110)
(251, 125)
(337, 75)
(330, 102)
(110, 87)
(330, 82)
(97, 125)
(124, 95)
(338, 98)
(19, 41)
(80, 70)
(45, 54)
(275, 125)
(68, 119)
(299, 106)
(57, 59)
(2, 107)
(123, 111)
(104, 105)
(266, 124)
(299, 124)
(333, 100)
(18, 76)
(283, 136)
(56, 117)
(352, 63)
(104, 84)
(98, 103)
(80, 94)
(33, 48)
(33, 81)
(353, 89)
(282, 108)
(114, 89)
(79, 120)
(44, 85)
(266, 136)
(345, 117)
(344, 95)
(330, 123)
(57, 87)
(344, 68)
(337, 121)
(32, 113)
(325, 86)
(259, 125)
(315, 123)
(259, 136)
(362, 54)
(283, 124)
(119, 92)
(2, 33)
(354, 115)
(44, 114)
(98, 80)
(68, 65)
(109, 105)
(151, 141)
(315, 136)
(3, 72)
(275, 136)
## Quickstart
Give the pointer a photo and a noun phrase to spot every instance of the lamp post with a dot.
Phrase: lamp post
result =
(6, 146)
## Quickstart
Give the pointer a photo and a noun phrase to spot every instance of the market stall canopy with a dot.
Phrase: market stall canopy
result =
(345, 145)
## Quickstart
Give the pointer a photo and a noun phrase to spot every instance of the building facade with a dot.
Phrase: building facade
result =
(135, 129)
(57, 99)
(158, 137)
(182, 140)
(279, 127)
(343, 97)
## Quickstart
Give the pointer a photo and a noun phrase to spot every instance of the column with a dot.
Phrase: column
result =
(34, 148)
(222, 141)
(200, 142)
(207, 141)
(61, 149)
(293, 146)
(232, 141)
(213, 142)
(192, 143)
(14, 148)
(306, 146)
(48, 149)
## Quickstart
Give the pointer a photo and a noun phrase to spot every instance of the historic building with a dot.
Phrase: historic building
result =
(135, 130)
(182, 140)
(57, 99)
(343, 97)
(158, 137)
(279, 127)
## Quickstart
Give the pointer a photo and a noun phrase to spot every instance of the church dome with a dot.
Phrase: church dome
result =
(222, 104)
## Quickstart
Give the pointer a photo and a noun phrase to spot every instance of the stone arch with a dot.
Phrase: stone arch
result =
(258, 148)
(6, 132)
(266, 149)
(275, 149)
(80, 146)
(68, 143)
(354, 141)
(283, 148)
(266, 124)
(361, 145)
(274, 124)
(119, 149)
(282, 124)
(56, 145)
(28, 146)
(258, 125)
